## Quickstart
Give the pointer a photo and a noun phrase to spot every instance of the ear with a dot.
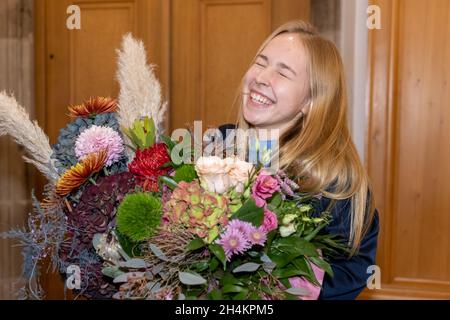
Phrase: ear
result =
(307, 107)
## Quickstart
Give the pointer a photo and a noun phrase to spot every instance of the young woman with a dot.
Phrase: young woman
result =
(296, 84)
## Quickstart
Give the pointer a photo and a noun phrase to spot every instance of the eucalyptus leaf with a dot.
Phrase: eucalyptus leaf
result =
(158, 268)
(128, 276)
(247, 267)
(112, 272)
(158, 253)
(96, 240)
(265, 258)
(298, 291)
(155, 288)
(134, 264)
(269, 266)
(190, 279)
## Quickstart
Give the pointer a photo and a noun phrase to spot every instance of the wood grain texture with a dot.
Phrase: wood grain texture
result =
(17, 178)
(409, 130)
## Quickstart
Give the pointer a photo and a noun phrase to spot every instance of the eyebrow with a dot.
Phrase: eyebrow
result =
(279, 64)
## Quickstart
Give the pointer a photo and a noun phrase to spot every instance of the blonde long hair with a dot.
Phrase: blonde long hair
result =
(319, 146)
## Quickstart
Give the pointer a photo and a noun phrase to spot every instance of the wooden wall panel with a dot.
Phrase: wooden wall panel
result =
(409, 130)
(96, 54)
(16, 178)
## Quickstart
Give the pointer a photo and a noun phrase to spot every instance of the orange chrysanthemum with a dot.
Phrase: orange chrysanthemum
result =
(93, 106)
(79, 173)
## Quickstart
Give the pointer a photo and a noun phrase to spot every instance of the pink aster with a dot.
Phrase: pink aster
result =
(233, 242)
(96, 138)
(257, 236)
(240, 225)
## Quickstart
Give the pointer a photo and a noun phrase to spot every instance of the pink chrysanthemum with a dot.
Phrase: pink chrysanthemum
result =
(96, 138)
(257, 236)
(242, 226)
(233, 242)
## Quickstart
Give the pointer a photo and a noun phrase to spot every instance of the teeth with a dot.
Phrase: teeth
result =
(260, 99)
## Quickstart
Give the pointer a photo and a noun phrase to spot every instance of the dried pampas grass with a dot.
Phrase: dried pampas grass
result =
(15, 121)
(140, 91)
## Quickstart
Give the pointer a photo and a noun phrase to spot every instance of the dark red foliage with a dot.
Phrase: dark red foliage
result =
(94, 213)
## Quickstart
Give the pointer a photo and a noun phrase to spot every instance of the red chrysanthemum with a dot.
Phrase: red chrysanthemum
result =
(147, 165)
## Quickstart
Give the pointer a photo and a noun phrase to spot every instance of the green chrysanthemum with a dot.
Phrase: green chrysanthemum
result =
(139, 215)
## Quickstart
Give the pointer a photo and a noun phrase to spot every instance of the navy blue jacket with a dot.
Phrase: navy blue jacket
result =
(350, 275)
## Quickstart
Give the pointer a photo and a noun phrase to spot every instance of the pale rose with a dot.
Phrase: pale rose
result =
(240, 173)
(213, 174)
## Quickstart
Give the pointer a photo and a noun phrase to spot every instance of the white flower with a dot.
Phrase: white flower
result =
(286, 231)
(287, 219)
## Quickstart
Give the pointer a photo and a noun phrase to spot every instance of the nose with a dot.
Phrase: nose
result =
(263, 77)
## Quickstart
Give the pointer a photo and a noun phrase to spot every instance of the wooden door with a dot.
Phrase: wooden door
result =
(16, 177)
(409, 146)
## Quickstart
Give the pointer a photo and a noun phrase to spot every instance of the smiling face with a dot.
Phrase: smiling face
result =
(277, 84)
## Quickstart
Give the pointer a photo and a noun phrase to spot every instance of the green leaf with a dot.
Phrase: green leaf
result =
(241, 295)
(288, 272)
(275, 202)
(229, 279)
(250, 212)
(200, 266)
(232, 288)
(185, 173)
(217, 250)
(213, 264)
(322, 264)
(310, 236)
(295, 246)
(168, 181)
(247, 267)
(169, 142)
(191, 279)
(195, 244)
(302, 263)
(216, 294)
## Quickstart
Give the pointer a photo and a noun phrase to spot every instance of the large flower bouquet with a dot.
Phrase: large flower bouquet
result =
(121, 218)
